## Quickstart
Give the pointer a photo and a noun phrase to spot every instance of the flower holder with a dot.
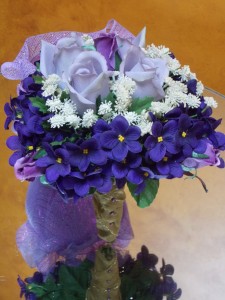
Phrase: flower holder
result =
(105, 283)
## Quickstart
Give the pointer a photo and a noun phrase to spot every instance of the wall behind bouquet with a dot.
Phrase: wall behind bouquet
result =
(184, 225)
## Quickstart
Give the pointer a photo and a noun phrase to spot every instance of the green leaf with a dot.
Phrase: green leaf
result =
(89, 47)
(199, 155)
(40, 153)
(110, 98)
(38, 79)
(98, 103)
(138, 104)
(43, 180)
(146, 197)
(59, 143)
(117, 61)
(46, 125)
(187, 168)
(38, 290)
(38, 66)
(64, 96)
(39, 103)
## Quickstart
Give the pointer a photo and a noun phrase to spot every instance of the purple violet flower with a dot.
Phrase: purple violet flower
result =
(81, 182)
(87, 152)
(121, 138)
(192, 86)
(188, 135)
(24, 290)
(162, 140)
(139, 175)
(21, 145)
(10, 113)
(121, 169)
(106, 175)
(56, 163)
(170, 167)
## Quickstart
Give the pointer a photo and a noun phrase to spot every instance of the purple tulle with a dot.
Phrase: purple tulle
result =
(56, 229)
(23, 65)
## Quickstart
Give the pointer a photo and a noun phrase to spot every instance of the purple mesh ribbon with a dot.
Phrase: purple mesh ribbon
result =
(57, 229)
(23, 65)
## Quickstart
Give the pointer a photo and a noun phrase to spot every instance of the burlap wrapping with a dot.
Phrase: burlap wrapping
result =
(108, 211)
(105, 283)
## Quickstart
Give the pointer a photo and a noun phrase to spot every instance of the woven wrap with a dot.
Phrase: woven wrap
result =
(105, 276)
(109, 211)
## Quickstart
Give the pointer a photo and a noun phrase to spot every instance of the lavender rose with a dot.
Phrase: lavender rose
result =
(87, 79)
(109, 43)
(25, 169)
(212, 159)
(83, 71)
(148, 73)
(56, 59)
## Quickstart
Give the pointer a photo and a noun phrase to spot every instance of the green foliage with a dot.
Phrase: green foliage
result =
(38, 66)
(40, 153)
(138, 281)
(138, 104)
(64, 96)
(71, 283)
(117, 61)
(98, 103)
(39, 103)
(146, 197)
(43, 180)
(199, 155)
(38, 79)
(110, 98)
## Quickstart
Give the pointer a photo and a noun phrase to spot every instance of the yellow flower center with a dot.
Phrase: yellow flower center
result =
(146, 174)
(165, 158)
(30, 147)
(59, 160)
(160, 139)
(121, 138)
(184, 134)
(124, 161)
(85, 151)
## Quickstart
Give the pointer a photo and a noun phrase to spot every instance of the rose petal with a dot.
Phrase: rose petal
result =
(47, 57)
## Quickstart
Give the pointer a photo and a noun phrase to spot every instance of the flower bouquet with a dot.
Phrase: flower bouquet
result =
(93, 113)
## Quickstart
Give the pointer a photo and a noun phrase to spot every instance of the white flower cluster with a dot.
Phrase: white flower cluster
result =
(156, 51)
(211, 102)
(176, 92)
(64, 113)
(142, 121)
(123, 88)
(105, 110)
(89, 118)
(50, 85)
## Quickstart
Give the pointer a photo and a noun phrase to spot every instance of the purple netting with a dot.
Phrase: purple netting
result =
(23, 66)
(55, 229)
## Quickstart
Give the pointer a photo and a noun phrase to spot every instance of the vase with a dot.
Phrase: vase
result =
(95, 227)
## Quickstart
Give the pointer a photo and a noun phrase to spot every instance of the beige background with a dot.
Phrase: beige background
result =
(184, 224)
